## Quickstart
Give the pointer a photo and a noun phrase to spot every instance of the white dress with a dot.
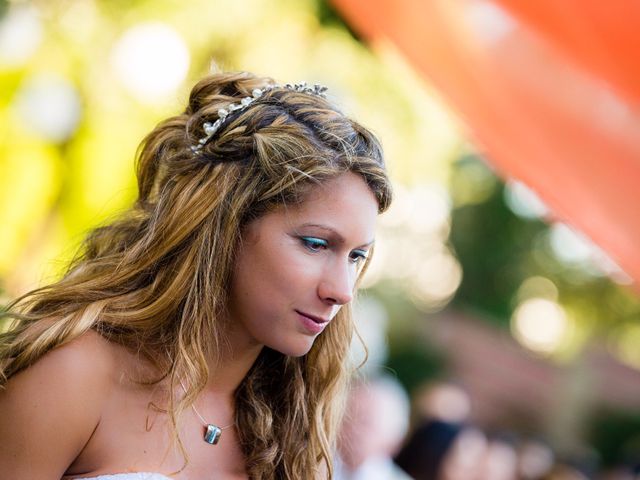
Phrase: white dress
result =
(128, 476)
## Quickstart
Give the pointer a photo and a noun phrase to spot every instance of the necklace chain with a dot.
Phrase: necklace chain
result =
(195, 410)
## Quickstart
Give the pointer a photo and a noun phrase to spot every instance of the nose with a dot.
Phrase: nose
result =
(337, 285)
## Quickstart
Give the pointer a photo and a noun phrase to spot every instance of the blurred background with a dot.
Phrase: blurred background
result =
(503, 296)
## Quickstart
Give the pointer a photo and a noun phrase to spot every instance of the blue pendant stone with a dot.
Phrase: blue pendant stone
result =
(212, 435)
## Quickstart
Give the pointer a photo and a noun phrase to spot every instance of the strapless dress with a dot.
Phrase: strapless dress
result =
(128, 476)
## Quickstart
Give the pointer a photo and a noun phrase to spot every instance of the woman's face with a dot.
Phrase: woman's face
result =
(298, 265)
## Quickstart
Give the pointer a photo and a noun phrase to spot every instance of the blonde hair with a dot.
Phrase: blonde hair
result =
(156, 279)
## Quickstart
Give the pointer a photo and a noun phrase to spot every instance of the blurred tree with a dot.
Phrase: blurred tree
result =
(493, 245)
(616, 435)
(415, 362)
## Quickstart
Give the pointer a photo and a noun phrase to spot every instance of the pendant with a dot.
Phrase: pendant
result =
(212, 434)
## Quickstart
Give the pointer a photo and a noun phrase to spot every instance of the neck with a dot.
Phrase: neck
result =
(226, 375)
(234, 362)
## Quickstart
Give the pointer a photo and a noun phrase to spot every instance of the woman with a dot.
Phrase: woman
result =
(218, 304)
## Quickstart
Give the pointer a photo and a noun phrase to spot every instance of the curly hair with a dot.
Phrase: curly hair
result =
(156, 279)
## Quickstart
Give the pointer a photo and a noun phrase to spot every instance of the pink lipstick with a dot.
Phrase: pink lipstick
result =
(311, 323)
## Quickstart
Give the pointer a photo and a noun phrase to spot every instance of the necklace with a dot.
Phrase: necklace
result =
(212, 433)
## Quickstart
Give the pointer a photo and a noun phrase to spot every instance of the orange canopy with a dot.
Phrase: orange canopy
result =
(549, 89)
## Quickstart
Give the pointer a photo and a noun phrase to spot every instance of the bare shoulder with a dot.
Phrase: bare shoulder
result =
(50, 410)
(83, 366)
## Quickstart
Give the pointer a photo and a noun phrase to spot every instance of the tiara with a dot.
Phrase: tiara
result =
(211, 128)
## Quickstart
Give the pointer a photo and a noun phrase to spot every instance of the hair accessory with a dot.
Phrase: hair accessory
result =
(212, 432)
(211, 128)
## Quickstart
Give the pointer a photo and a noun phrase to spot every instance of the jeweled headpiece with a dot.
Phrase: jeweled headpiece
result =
(211, 128)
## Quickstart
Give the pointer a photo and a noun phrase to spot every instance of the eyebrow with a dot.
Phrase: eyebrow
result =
(338, 236)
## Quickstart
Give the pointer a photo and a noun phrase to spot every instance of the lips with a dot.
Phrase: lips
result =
(318, 320)
(311, 324)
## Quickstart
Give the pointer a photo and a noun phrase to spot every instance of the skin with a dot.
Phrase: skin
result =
(301, 260)
(95, 419)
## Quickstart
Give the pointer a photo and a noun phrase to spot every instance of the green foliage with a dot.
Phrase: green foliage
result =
(495, 248)
(328, 16)
(500, 250)
(616, 435)
(415, 363)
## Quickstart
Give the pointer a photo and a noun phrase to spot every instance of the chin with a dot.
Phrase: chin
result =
(294, 349)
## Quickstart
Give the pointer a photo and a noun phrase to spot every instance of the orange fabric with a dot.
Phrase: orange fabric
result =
(601, 36)
(539, 117)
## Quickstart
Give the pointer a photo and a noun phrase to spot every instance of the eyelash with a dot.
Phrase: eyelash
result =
(360, 256)
(314, 245)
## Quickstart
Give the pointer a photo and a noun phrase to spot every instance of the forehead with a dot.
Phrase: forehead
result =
(344, 192)
(344, 203)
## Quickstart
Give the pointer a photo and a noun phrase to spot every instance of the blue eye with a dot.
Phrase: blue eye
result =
(314, 244)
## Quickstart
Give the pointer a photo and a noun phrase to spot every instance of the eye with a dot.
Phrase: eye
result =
(314, 244)
(358, 256)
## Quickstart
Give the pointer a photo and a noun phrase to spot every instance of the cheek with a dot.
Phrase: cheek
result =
(251, 281)
(267, 276)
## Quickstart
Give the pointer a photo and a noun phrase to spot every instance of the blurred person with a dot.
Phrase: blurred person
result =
(439, 450)
(618, 473)
(535, 459)
(204, 333)
(467, 454)
(441, 400)
(373, 428)
(562, 471)
(499, 462)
